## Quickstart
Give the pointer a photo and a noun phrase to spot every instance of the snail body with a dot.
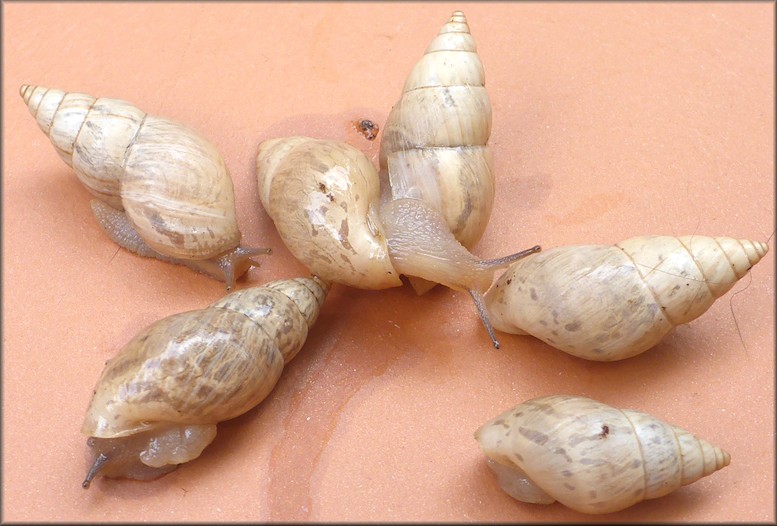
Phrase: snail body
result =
(161, 190)
(435, 141)
(337, 217)
(157, 402)
(610, 302)
(591, 457)
(324, 198)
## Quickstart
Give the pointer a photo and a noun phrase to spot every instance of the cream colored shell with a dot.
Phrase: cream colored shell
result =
(592, 457)
(172, 183)
(324, 197)
(207, 365)
(180, 376)
(609, 302)
(434, 144)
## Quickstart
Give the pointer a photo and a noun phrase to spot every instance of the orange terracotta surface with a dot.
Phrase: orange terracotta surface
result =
(610, 121)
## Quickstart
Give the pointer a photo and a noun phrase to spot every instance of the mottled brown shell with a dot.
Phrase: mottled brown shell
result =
(207, 365)
(158, 401)
(592, 457)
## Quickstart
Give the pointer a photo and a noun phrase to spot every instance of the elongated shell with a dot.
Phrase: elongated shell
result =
(158, 401)
(171, 182)
(323, 197)
(592, 457)
(609, 302)
(162, 182)
(434, 144)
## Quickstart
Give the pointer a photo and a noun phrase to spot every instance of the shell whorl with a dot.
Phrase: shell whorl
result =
(323, 197)
(286, 309)
(95, 152)
(208, 365)
(434, 144)
(451, 59)
(610, 302)
(703, 267)
(172, 183)
(444, 102)
(595, 458)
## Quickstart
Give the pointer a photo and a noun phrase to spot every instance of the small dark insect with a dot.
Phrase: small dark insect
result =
(605, 431)
(367, 128)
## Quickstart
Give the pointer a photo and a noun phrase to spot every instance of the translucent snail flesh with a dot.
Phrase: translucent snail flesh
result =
(591, 457)
(324, 198)
(434, 144)
(162, 190)
(609, 302)
(157, 403)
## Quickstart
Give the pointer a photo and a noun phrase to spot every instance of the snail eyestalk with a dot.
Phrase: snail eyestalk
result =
(237, 261)
(477, 297)
(96, 466)
(506, 260)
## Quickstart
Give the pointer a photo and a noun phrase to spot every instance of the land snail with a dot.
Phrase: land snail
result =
(610, 302)
(157, 402)
(334, 215)
(161, 190)
(591, 457)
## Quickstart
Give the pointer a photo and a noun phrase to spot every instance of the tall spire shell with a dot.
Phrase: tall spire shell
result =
(444, 102)
(434, 144)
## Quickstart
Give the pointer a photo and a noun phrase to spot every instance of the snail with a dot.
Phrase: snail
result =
(591, 457)
(434, 144)
(610, 302)
(332, 212)
(324, 198)
(162, 191)
(157, 402)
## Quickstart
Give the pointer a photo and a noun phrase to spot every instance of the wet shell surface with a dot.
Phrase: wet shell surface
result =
(158, 401)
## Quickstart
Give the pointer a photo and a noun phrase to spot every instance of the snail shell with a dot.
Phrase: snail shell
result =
(434, 144)
(161, 189)
(610, 302)
(592, 457)
(157, 403)
(324, 198)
